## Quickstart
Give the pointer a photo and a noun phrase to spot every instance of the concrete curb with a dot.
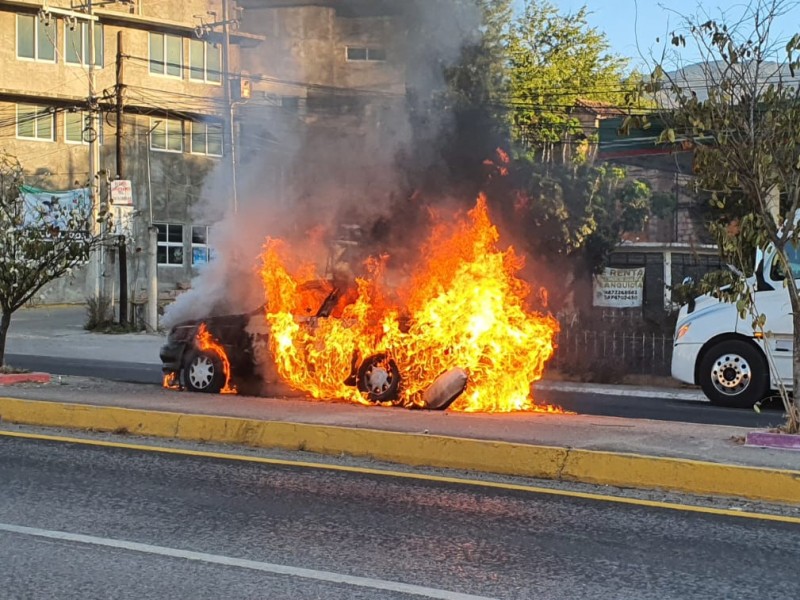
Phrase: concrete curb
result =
(621, 390)
(546, 462)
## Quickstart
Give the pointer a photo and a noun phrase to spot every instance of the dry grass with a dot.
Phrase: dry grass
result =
(9, 370)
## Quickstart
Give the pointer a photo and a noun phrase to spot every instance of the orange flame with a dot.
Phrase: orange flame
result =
(206, 342)
(171, 381)
(463, 306)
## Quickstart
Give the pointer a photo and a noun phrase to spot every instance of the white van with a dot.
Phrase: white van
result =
(719, 351)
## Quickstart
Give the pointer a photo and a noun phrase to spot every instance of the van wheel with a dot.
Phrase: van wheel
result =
(734, 373)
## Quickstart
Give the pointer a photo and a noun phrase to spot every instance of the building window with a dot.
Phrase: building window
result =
(205, 61)
(207, 139)
(201, 251)
(167, 136)
(170, 244)
(76, 44)
(166, 54)
(36, 38)
(35, 122)
(76, 123)
(356, 53)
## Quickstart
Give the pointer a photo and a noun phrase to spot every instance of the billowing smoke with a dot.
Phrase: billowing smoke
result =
(327, 156)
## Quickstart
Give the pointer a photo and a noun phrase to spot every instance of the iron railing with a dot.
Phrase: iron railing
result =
(611, 353)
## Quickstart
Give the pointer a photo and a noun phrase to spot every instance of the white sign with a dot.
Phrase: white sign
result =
(619, 288)
(122, 220)
(121, 192)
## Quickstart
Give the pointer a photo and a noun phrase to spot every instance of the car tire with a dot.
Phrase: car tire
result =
(734, 373)
(379, 378)
(203, 372)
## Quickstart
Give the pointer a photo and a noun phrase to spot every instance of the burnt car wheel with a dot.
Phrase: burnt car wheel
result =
(203, 373)
(379, 378)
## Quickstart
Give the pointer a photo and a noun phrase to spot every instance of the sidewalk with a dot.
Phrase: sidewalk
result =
(58, 332)
(699, 459)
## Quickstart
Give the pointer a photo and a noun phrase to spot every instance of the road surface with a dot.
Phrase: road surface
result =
(79, 522)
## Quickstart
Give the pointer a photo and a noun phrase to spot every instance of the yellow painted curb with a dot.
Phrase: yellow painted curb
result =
(546, 462)
(692, 476)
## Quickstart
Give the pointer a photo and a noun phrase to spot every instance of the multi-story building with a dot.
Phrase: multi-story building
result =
(321, 99)
(329, 86)
(167, 61)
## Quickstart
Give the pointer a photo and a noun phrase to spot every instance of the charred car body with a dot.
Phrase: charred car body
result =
(244, 340)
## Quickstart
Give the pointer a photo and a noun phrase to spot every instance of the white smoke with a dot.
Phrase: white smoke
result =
(326, 168)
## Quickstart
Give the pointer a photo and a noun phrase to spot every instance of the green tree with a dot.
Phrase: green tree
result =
(572, 214)
(514, 86)
(471, 103)
(743, 121)
(554, 61)
(38, 244)
(481, 76)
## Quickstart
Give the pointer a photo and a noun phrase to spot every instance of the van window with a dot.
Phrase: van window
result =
(793, 254)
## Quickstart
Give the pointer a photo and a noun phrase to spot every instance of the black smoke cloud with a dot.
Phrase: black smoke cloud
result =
(339, 156)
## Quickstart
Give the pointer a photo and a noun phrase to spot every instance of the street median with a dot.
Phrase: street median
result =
(419, 449)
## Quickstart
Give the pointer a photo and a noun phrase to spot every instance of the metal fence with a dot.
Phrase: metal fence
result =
(608, 354)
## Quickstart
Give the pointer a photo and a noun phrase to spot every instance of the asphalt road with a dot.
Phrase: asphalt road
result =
(662, 409)
(82, 522)
(104, 369)
(584, 403)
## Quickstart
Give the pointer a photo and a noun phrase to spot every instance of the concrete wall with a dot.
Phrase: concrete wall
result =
(340, 119)
(353, 111)
(308, 44)
(177, 180)
(62, 81)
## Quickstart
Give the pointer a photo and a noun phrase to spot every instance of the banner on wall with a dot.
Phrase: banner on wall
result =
(619, 288)
(54, 208)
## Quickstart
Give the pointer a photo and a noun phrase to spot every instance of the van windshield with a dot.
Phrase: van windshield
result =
(793, 254)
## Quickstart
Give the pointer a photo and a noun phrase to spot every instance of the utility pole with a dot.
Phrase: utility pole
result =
(228, 80)
(121, 247)
(229, 135)
(119, 97)
(151, 319)
(91, 131)
(94, 147)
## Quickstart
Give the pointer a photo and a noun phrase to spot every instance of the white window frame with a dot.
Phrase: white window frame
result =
(164, 73)
(83, 116)
(204, 79)
(99, 49)
(367, 51)
(53, 24)
(205, 151)
(167, 244)
(42, 112)
(206, 247)
(165, 123)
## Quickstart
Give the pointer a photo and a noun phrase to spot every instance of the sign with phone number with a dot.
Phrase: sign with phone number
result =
(619, 288)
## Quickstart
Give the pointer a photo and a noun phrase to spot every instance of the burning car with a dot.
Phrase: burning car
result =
(224, 364)
(225, 354)
(453, 328)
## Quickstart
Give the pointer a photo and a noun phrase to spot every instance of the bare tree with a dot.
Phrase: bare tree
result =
(39, 242)
(738, 109)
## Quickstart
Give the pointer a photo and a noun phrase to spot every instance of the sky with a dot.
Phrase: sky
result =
(633, 26)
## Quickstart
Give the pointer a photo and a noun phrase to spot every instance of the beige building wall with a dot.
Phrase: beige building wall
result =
(169, 182)
(318, 112)
(338, 81)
